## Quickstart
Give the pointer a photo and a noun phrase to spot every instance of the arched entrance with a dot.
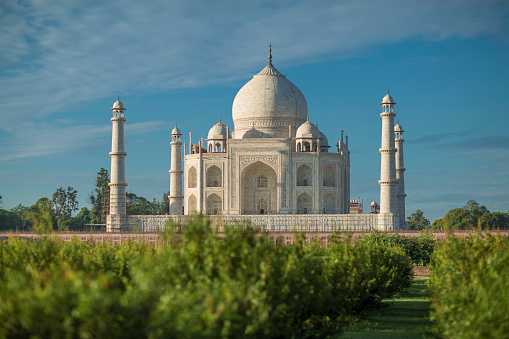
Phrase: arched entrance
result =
(258, 185)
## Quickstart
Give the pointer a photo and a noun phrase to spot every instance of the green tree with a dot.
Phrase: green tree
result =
(165, 205)
(472, 216)
(41, 215)
(64, 201)
(83, 217)
(140, 206)
(99, 197)
(22, 211)
(10, 220)
(417, 221)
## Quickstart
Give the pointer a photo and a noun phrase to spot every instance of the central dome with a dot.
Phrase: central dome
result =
(269, 103)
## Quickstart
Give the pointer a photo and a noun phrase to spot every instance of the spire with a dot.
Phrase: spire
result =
(270, 69)
(270, 53)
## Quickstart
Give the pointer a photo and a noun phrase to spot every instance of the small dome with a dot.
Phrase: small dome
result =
(118, 105)
(324, 142)
(398, 128)
(387, 100)
(308, 130)
(176, 131)
(218, 131)
(374, 203)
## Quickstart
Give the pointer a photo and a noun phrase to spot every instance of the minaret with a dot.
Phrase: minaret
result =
(388, 182)
(117, 218)
(400, 174)
(176, 196)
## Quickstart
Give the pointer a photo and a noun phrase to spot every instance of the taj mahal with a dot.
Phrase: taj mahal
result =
(273, 168)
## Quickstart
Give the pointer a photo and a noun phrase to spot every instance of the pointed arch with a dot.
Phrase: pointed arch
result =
(258, 189)
(192, 178)
(214, 204)
(214, 177)
(329, 176)
(304, 204)
(304, 176)
(329, 203)
(191, 204)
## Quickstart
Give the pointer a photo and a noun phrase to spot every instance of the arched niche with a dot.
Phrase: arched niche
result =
(214, 204)
(329, 176)
(191, 204)
(329, 203)
(214, 177)
(304, 176)
(304, 204)
(192, 178)
(258, 189)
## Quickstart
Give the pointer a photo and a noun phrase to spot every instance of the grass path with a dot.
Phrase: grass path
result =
(407, 316)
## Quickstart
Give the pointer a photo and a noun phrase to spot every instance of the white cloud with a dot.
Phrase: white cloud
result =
(46, 140)
(56, 52)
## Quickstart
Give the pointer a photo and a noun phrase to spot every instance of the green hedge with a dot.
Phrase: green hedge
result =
(470, 285)
(419, 249)
(196, 285)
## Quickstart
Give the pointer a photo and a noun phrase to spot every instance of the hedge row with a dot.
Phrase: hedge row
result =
(470, 284)
(419, 249)
(197, 285)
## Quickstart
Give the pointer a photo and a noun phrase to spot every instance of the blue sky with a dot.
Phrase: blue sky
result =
(63, 63)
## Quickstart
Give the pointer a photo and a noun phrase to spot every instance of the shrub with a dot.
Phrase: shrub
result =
(199, 284)
(470, 285)
(419, 249)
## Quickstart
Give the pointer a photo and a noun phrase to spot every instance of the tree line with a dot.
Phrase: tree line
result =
(472, 216)
(56, 212)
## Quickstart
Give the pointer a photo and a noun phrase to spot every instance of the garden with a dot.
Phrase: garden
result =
(198, 284)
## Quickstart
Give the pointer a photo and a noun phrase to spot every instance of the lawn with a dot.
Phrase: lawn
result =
(407, 316)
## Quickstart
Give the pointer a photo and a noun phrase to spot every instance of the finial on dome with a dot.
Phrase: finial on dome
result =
(219, 118)
(387, 91)
(307, 117)
(270, 53)
(118, 96)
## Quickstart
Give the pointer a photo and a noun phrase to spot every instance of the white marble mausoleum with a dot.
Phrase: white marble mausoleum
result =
(273, 161)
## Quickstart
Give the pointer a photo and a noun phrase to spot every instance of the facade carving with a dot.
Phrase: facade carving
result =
(246, 160)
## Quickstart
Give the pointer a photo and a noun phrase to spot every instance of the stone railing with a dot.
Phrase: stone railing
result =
(271, 223)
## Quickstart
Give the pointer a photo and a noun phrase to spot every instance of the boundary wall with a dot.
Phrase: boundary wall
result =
(282, 238)
(273, 223)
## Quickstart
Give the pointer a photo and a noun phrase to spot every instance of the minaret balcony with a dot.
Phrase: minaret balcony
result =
(389, 150)
(390, 182)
